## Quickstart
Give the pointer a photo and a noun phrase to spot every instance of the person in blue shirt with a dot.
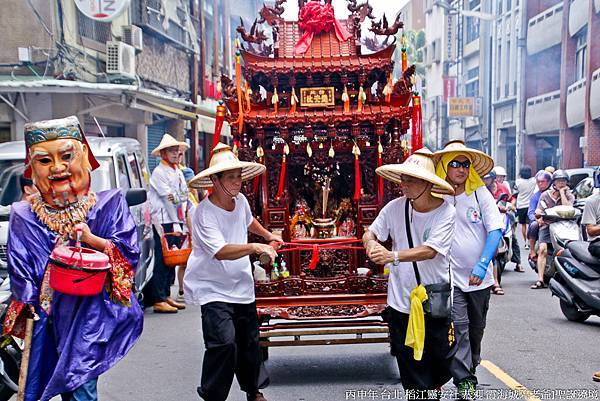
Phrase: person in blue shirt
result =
(543, 180)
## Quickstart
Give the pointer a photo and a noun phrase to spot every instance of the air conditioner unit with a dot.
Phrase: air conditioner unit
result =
(132, 35)
(120, 59)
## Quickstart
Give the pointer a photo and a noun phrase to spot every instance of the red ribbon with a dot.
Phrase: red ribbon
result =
(357, 183)
(315, 18)
(417, 130)
(379, 178)
(281, 178)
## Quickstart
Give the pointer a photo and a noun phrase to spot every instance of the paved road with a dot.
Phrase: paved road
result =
(527, 338)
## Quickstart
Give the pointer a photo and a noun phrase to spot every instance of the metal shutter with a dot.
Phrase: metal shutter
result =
(155, 134)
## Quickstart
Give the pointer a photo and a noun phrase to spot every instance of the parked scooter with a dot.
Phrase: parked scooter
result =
(564, 226)
(577, 281)
(10, 350)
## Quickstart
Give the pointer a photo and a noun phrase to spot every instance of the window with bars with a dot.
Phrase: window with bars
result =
(472, 29)
(580, 54)
(472, 89)
(92, 30)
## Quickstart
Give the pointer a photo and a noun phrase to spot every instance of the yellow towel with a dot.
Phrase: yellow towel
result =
(415, 332)
(474, 181)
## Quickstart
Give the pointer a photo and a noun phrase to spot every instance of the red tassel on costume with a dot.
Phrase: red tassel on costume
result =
(379, 178)
(219, 118)
(417, 128)
(357, 182)
(314, 258)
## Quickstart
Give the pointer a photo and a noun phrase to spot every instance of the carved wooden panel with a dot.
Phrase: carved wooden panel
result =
(332, 262)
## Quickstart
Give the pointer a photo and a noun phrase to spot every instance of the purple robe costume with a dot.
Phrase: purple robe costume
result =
(83, 336)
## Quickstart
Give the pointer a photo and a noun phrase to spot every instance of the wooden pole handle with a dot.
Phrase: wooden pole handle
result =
(25, 360)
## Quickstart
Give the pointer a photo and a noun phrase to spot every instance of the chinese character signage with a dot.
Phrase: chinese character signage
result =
(461, 107)
(317, 97)
(449, 88)
(102, 10)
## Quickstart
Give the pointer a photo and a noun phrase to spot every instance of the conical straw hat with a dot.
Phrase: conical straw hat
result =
(482, 163)
(168, 141)
(419, 165)
(223, 159)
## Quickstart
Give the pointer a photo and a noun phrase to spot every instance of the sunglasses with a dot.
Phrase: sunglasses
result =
(457, 164)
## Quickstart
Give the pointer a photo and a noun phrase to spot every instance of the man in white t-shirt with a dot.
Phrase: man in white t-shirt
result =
(423, 365)
(476, 237)
(219, 277)
(591, 213)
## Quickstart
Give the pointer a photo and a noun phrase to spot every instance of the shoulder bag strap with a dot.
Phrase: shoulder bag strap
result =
(410, 241)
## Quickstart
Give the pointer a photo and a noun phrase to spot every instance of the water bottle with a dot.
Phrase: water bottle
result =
(274, 272)
(285, 273)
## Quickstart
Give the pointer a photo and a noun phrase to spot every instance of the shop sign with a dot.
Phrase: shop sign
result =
(102, 10)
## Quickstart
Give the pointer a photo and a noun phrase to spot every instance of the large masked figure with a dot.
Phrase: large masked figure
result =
(77, 338)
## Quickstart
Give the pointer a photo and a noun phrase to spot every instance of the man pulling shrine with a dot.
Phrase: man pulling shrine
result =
(76, 338)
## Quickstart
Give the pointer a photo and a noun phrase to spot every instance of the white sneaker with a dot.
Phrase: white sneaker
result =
(180, 298)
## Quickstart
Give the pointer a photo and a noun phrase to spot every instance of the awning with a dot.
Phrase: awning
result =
(159, 100)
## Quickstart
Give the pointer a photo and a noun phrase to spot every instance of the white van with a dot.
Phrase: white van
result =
(121, 166)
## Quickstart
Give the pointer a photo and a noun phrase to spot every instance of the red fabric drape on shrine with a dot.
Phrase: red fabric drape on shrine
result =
(417, 124)
(315, 18)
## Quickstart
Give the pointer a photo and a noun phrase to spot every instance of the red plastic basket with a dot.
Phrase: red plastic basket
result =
(176, 257)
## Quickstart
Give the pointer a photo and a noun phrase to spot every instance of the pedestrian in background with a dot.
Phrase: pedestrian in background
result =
(477, 233)
(501, 177)
(525, 187)
(168, 196)
(420, 342)
(558, 194)
(543, 179)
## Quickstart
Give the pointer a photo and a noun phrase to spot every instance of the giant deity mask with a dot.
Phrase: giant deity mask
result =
(59, 160)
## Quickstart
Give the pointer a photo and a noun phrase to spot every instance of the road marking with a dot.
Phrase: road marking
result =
(509, 381)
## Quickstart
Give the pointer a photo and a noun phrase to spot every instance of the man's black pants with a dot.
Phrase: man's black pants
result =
(433, 370)
(231, 340)
(162, 276)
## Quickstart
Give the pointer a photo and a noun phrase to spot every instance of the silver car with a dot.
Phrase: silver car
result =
(121, 166)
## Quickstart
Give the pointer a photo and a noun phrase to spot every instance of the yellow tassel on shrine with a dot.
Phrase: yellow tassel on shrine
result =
(331, 151)
(346, 100)
(275, 100)
(362, 98)
(387, 91)
(294, 100)
(247, 94)
(308, 150)
(239, 91)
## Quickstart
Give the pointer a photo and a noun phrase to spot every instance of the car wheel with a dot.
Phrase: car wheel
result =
(572, 313)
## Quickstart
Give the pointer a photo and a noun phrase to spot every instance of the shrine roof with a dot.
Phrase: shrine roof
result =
(320, 57)
(371, 113)
(324, 45)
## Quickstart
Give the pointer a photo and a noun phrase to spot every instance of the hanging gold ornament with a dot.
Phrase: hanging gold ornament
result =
(331, 151)
(260, 152)
(308, 150)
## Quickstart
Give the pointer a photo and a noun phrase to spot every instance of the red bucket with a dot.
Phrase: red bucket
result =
(78, 271)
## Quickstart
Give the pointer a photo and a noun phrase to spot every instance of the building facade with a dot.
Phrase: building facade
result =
(562, 67)
(458, 65)
(153, 69)
(509, 32)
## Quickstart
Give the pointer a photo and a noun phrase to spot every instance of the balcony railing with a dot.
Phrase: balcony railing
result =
(578, 15)
(542, 113)
(544, 29)
(576, 103)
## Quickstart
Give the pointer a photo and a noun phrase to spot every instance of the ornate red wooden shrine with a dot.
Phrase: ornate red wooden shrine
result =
(321, 115)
